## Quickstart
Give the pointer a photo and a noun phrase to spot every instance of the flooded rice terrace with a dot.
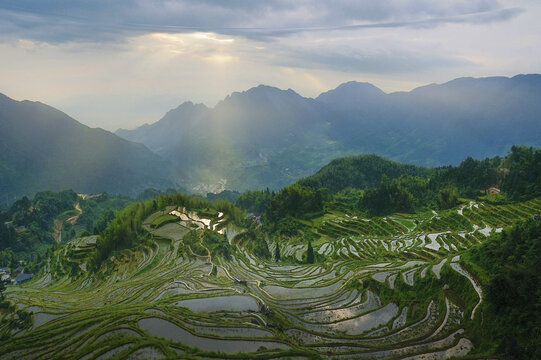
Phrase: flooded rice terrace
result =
(163, 301)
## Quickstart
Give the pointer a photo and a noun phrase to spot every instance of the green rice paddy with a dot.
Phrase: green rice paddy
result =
(382, 287)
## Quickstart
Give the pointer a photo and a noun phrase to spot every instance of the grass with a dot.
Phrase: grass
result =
(162, 220)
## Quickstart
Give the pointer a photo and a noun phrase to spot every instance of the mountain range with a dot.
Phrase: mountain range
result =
(42, 148)
(267, 137)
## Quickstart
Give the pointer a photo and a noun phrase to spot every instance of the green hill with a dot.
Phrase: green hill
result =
(359, 172)
(42, 148)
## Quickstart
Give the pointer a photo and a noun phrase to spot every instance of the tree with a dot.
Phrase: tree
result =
(447, 198)
(277, 255)
(310, 253)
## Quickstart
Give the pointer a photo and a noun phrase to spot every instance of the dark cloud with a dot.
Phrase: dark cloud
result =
(369, 62)
(105, 20)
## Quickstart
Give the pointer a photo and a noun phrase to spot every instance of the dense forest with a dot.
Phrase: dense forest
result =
(373, 186)
(509, 265)
(29, 227)
(359, 172)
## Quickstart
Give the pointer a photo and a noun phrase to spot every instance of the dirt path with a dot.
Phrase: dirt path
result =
(206, 248)
(72, 220)
(57, 235)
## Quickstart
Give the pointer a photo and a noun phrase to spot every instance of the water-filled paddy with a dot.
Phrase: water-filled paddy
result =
(164, 328)
(221, 303)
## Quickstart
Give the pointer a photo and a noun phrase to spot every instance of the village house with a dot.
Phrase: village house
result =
(22, 277)
(493, 189)
(18, 270)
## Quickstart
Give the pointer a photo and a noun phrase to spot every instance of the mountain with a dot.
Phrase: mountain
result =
(440, 124)
(261, 137)
(267, 137)
(42, 148)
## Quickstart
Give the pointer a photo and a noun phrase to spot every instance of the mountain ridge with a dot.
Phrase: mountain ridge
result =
(269, 137)
(43, 148)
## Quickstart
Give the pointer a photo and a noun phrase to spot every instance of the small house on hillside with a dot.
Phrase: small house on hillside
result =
(18, 270)
(22, 278)
(493, 189)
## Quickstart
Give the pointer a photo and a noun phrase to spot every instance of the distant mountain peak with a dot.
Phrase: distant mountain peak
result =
(351, 93)
(360, 86)
(187, 107)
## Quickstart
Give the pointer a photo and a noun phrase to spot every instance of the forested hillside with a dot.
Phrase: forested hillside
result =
(509, 263)
(359, 172)
(42, 149)
(376, 186)
(29, 227)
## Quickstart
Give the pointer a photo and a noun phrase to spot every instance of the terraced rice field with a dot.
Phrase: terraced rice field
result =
(163, 301)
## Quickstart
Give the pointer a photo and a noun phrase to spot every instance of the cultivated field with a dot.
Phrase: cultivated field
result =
(388, 287)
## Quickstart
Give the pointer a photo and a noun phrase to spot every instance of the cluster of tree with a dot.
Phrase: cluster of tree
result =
(204, 242)
(359, 172)
(98, 210)
(42, 209)
(524, 178)
(292, 201)
(124, 230)
(229, 195)
(470, 177)
(386, 198)
(407, 194)
(253, 240)
(510, 311)
(377, 186)
(13, 319)
(28, 224)
(8, 258)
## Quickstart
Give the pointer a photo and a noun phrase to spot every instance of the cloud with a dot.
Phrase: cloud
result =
(122, 63)
(113, 21)
(369, 61)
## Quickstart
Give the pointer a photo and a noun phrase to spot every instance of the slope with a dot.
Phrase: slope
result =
(42, 148)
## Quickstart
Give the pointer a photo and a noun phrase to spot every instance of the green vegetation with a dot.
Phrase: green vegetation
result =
(310, 253)
(126, 229)
(11, 319)
(277, 255)
(524, 178)
(509, 265)
(361, 184)
(27, 227)
(162, 220)
(229, 195)
(359, 172)
(316, 275)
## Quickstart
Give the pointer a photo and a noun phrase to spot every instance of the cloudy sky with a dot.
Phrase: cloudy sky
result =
(121, 63)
